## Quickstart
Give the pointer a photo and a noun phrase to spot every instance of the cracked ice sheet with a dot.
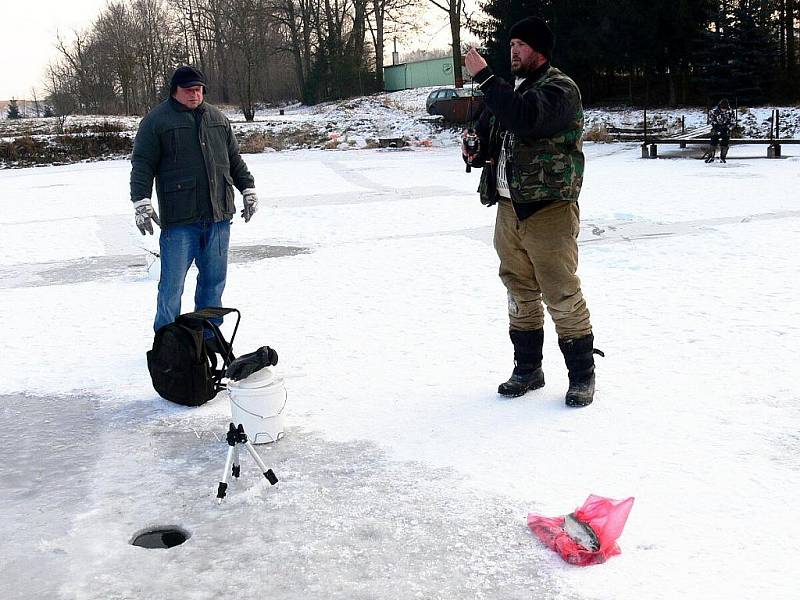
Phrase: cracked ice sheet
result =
(342, 522)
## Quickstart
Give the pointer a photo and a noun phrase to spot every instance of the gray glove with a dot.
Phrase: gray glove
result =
(250, 204)
(145, 215)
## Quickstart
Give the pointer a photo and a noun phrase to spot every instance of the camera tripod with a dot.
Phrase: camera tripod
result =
(236, 436)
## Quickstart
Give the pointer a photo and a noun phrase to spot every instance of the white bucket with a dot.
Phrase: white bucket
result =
(258, 403)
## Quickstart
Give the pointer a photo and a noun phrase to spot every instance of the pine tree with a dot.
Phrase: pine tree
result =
(737, 59)
(13, 110)
(754, 65)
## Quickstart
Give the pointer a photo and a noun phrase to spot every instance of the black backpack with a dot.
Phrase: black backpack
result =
(183, 363)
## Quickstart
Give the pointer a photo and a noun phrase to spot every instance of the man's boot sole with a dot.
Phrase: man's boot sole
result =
(577, 403)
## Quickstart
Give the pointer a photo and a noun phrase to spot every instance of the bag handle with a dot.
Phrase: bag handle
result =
(227, 358)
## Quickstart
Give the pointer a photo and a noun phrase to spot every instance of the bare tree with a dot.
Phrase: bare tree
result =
(73, 69)
(385, 17)
(193, 24)
(299, 21)
(244, 32)
(156, 46)
(36, 106)
(454, 10)
(59, 96)
(116, 32)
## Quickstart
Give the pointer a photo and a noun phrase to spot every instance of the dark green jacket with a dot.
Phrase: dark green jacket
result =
(545, 157)
(193, 157)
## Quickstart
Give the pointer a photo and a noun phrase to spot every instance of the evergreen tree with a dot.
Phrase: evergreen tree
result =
(754, 65)
(737, 59)
(638, 50)
(13, 110)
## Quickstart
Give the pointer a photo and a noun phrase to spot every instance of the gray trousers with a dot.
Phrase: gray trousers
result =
(539, 261)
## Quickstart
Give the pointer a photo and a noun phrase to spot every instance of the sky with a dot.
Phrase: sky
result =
(27, 41)
(27, 44)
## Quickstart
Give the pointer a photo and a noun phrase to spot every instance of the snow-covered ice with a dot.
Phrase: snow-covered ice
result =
(403, 474)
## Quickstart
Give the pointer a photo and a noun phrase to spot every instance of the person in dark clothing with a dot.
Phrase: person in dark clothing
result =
(722, 120)
(531, 153)
(188, 147)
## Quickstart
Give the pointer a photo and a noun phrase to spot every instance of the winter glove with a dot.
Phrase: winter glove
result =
(145, 215)
(250, 204)
(248, 364)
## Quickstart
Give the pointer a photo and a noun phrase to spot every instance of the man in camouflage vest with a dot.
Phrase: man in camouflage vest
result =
(531, 153)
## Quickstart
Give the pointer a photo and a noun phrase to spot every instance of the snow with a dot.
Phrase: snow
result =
(403, 474)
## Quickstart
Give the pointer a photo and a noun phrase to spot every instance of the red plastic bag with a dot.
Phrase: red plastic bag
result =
(605, 519)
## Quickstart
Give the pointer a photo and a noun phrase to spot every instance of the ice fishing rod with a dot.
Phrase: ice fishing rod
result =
(469, 137)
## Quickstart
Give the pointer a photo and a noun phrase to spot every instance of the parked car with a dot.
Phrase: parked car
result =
(457, 105)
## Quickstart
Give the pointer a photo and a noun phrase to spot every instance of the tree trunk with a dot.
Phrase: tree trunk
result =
(791, 56)
(379, 43)
(455, 31)
(673, 94)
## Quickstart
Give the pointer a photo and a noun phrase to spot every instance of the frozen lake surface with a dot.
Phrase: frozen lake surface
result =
(403, 474)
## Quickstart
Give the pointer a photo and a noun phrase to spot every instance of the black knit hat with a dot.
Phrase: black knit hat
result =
(534, 32)
(186, 77)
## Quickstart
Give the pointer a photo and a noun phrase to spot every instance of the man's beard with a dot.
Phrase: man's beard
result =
(521, 69)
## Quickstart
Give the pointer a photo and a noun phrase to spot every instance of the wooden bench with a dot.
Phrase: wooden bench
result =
(650, 146)
(701, 135)
(635, 130)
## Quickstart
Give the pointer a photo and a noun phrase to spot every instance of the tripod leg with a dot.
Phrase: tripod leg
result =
(236, 465)
(223, 485)
(267, 472)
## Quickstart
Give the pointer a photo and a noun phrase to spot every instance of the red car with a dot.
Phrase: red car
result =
(457, 105)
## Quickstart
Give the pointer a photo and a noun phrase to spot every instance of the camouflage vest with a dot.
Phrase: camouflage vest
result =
(549, 168)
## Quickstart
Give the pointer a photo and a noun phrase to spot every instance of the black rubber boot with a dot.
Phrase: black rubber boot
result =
(579, 357)
(528, 374)
(723, 154)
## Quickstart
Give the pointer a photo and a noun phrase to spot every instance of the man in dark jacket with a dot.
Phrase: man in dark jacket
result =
(188, 147)
(722, 120)
(531, 153)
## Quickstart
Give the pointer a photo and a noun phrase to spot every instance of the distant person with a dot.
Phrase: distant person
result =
(531, 152)
(188, 147)
(722, 119)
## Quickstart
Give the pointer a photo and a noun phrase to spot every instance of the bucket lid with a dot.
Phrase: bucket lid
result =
(261, 378)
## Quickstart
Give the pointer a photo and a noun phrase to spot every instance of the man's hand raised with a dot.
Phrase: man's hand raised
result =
(474, 62)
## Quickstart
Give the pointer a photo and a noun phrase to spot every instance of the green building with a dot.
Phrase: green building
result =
(423, 73)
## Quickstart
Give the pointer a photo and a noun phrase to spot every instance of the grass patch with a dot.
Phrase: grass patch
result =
(255, 143)
(28, 151)
(597, 133)
(103, 127)
(23, 149)
(306, 136)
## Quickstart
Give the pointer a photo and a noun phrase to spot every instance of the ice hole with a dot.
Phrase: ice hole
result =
(160, 537)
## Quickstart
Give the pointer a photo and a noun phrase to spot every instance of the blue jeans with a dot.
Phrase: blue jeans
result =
(205, 244)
